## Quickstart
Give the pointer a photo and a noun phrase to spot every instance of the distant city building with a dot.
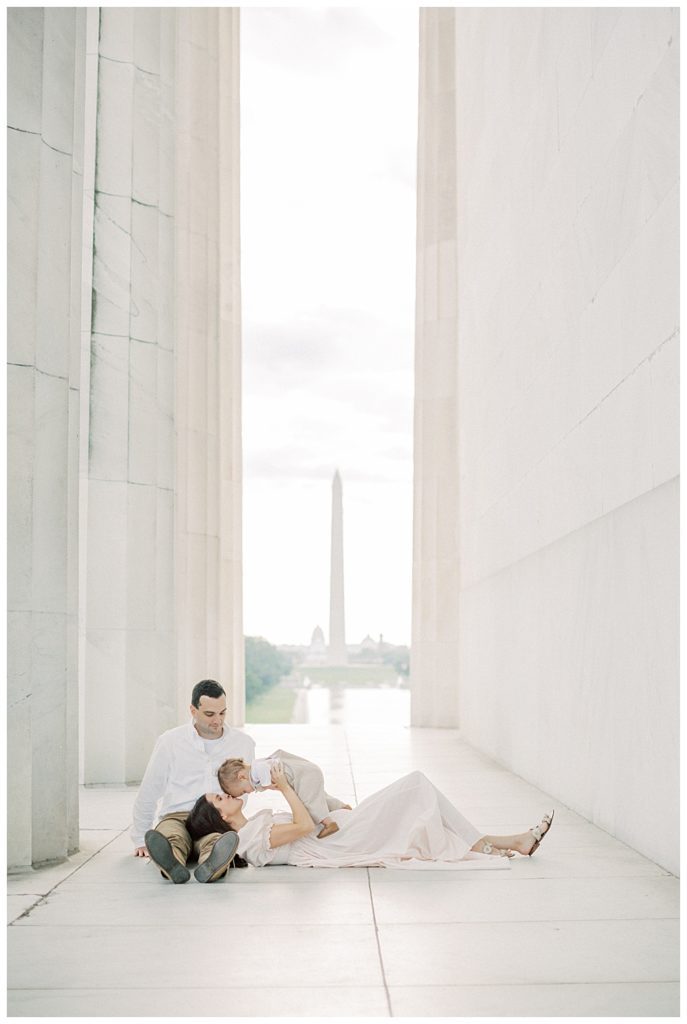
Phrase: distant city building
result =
(360, 656)
(369, 651)
(368, 645)
(316, 653)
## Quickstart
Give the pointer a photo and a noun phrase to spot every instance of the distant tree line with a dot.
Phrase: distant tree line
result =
(399, 658)
(265, 666)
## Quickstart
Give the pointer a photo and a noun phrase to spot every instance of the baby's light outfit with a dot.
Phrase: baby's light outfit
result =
(305, 778)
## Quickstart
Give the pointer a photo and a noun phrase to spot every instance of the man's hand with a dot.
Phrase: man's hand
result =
(141, 851)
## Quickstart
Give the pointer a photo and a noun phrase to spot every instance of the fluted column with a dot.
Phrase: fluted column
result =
(101, 461)
(434, 651)
(47, 48)
(130, 655)
(208, 395)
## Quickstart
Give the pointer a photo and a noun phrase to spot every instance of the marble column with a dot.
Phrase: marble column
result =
(46, 74)
(336, 653)
(434, 651)
(208, 570)
(129, 671)
(124, 395)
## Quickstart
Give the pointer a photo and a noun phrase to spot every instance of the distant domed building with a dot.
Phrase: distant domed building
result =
(317, 652)
(369, 651)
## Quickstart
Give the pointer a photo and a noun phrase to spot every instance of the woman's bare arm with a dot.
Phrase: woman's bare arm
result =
(302, 822)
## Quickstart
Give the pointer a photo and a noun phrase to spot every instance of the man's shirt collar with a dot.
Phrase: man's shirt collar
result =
(198, 739)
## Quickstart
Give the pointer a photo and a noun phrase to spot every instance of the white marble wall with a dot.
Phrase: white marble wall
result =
(208, 383)
(567, 320)
(46, 48)
(434, 648)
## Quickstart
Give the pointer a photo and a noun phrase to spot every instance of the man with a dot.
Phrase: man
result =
(182, 767)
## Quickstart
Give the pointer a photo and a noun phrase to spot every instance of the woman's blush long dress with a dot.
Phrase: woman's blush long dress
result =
(408, 824)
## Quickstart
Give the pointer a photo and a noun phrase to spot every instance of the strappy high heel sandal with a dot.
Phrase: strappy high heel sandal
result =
(538, 833)
(489, 849)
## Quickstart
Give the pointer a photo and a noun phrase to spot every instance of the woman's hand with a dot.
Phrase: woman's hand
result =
(279, 779)
(302, 822)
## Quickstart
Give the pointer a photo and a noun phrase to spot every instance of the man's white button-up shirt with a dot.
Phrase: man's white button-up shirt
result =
(180, 770)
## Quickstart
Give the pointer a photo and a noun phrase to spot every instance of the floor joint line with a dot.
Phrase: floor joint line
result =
(379, 945)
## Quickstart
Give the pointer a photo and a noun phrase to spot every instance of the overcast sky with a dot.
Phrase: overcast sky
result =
(328, 153)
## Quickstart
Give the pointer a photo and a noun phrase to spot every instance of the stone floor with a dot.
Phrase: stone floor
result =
(585, 927)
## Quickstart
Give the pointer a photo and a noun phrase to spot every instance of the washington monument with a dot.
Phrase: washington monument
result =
(336, 654)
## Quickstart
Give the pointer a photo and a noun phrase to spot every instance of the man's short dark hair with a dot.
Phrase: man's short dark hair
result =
(206, 688)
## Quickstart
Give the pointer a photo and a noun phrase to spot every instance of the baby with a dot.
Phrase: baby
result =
(237, 778)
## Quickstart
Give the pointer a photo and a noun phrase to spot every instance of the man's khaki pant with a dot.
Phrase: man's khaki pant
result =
(173, 827)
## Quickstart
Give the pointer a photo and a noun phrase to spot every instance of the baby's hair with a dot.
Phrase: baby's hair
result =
(229, 770)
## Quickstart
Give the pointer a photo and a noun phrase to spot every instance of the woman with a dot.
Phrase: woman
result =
(407, 824)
